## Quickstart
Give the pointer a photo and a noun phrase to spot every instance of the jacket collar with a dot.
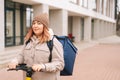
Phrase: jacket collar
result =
(34, 39)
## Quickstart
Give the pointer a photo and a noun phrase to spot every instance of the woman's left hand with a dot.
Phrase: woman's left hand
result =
(36, 67)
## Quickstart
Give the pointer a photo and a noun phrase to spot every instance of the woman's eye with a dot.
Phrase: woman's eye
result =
(33, 23)
(39, 23)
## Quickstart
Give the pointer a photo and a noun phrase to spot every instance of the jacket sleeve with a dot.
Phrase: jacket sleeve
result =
(57, 63)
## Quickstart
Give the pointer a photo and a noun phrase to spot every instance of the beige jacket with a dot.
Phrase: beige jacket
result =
(36, 53)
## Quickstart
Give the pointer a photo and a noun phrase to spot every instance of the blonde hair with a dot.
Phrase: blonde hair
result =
(45, 35)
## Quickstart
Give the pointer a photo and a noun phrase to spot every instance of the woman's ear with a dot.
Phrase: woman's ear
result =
(29, 34)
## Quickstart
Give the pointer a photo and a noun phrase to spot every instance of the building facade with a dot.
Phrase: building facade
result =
(86, 20)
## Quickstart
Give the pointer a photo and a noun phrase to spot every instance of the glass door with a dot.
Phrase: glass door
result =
(9, 33)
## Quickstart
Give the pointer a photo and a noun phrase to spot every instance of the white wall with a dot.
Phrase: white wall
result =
(2, 25)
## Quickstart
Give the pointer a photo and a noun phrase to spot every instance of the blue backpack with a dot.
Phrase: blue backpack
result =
(69, 54)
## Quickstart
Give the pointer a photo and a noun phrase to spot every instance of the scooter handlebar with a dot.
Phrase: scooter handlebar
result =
(29, 70)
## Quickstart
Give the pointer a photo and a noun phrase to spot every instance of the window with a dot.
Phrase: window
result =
(94, 5)
(74, 1)
(105, 7)
(29, 16)
(101, 6)
(84, 3)
(17, 19)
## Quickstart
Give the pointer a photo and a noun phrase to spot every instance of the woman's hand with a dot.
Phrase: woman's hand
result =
(12, 65)
(36, 67)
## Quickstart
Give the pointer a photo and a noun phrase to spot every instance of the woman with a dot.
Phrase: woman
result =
(36, 52)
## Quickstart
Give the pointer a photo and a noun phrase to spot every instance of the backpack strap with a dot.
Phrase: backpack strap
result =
(50, 46)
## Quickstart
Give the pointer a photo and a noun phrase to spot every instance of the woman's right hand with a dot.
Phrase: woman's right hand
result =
(12, 65)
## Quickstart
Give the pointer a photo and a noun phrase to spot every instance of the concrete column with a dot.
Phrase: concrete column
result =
(108, 26)
(59, 22)
(102, 29)
(111, 29)
(76, 28)
(114, 28)
(2, 40)
(40, 8)
(96, 29)
(87, 29)
(106, 29)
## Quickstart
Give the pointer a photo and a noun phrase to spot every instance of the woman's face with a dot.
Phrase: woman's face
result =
(37, 28)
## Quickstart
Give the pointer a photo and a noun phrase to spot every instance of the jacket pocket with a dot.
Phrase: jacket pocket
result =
(42, 54)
